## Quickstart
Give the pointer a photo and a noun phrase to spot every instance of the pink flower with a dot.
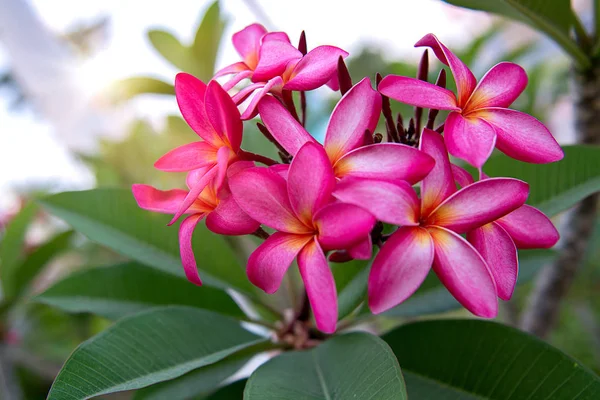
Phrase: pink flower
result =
(430, 231)
(307, 225)
(480, 119)
(273, 64)
(215, 203)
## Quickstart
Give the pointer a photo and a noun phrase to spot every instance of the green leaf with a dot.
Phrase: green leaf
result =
(147, 348)
(112, 218)
(12, 246)
(233, 391)
(123, 289)
(128, 88)
(206, 42)
(557, 186)
(170, 48)
(475, 359)
(351, 281)
(352, 366)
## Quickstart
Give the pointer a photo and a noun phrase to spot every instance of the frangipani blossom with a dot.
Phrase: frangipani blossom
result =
(430, 230)
(273, 64)
(479, 119)
(357, 112)
(307, 224)
(215, 203)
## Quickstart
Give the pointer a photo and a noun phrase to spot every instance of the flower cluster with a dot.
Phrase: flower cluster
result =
(329, 200)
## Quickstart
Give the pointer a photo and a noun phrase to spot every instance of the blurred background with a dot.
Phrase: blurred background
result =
(86, 100)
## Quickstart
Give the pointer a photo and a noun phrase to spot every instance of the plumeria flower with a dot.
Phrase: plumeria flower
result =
(430, 232)
(307, 226)
(215, 203)
(479, 119)
(273, 64)
(497, 242)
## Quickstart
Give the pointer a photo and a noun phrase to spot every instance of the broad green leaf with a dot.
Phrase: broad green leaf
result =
(123, 289)
(475, 359)
(351, 281)
(147, 348)
(557, 186)
(233, 391)
(170, 48)
(355, 366)
(112, 218)
(12, 246)
(128, 88)
(206, 42)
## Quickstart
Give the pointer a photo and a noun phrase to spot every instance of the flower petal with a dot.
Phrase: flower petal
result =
(391, 162)
(399, 268)
(417, 93)
(274, 58)
(461, 176)
(186, 230)
(465, 81)
(223, 115)
(471, 139)
(320, 286)
(250, 111)
(530, 228)
(480, 203)
(499, 252)
(310, 181)
(392, 203)
(315, 69)
(284, 128)
(363, 250)
(439, 183)
(269, 262)
(229, 219)
(356, 112)
(464, 272)
(187, 157)
(521, 136)
(190, 92)
(240, 76)
(235, 68)
(247, 43)
(162, 201)
(342, 225)
(500, 86)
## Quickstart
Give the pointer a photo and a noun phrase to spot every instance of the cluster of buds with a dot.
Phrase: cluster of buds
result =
(328, 201)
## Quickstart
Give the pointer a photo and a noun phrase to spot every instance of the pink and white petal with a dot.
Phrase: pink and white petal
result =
(399, 268)
(461, 176)
(247, 43)
(342, 225)
(418, 93)
(439, 183)
(530, 228)
(187, 157)
(250, 111)
(235, 68)
(465, 81)
(189, 93)
(479, 204)
(262, 194)
(392, 203)
(162, 201)
(223, 115)
(186, 230)
(269, 262)
(240, 76)
(464, 272)
(310, 181)
(290, 134)
(498, 250)
(273, 59)
(499, 87)
(471, 139)
(243, 94)
(315, 69)
(229, 219)
(391, 162)
(320, 286)
(521, 136)
(356, 112)
(363, 250)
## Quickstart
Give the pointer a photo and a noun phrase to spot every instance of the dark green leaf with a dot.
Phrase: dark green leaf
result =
(147, 348)
(354, 366)
(475, 359)
(111, 217)
(128, 88)
(206, 43)
(170, 48)
(234, 391)
(351, 281)
(123, 289)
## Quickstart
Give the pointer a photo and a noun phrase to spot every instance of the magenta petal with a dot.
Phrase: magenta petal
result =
(471, 139)
(392, 162)
(236, 68)
(461, 176)
(281, 36)
(530, 228)
(500, 86)
(247, 42)
(229, 219)
(499, 252)
(521, 136)
(284, 128)
(417, 93)
(152, 199)
(186, 230)
(250, 111)
(439, 183)
(190, 92)
(392, 203)
(310, 181)
(399, 268)
(479, 204)
(320, 286)
(230, 84)
(342, 225)
(281, 169)
(269, 262)
(465, 81)
(464, 272)
(194, 192)
(315, 69)
(356, 112)
(187, 157)
(273, 60)
(223, 115)
(363, 250)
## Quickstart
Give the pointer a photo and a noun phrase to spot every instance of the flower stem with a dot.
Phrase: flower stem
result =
(249, 156)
